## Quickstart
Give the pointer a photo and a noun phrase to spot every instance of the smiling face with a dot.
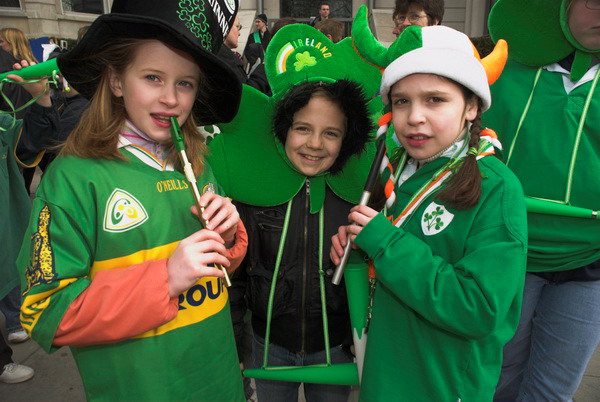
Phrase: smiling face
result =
(584, 24)
(314, 140)
(428, 113)
(160, 82)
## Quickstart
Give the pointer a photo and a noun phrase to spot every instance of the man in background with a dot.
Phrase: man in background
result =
(262, 34)
(324, 10)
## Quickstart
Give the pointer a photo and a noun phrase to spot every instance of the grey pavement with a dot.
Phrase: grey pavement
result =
(56, 377)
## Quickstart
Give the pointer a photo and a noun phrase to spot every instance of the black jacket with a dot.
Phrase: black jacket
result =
(257, 79)
(265, 38)
(297, 324)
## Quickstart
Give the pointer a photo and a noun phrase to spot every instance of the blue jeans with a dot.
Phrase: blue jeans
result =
(558, 333)
(273, 391)
(10, 306)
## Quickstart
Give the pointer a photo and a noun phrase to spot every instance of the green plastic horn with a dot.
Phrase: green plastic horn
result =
(339, 374)
(357, 288)
(48, 67)
(538, 206)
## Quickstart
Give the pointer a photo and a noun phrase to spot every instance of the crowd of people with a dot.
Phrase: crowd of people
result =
(479, 250)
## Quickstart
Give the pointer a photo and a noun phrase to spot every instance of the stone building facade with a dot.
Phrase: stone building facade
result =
(61, 19)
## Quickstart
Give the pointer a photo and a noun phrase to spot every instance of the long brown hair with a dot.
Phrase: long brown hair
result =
(464, 188)
(21, 50)
(97, 134)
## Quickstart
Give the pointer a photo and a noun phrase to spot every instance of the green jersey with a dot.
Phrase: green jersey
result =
(90, 216)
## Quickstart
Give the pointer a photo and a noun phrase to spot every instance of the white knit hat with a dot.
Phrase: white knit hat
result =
(436, 50)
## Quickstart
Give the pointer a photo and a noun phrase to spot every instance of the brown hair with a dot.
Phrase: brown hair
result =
(464, 188)
(96, 135)
(331, 27)
(21, 50)
(81, 32)
(280, 23)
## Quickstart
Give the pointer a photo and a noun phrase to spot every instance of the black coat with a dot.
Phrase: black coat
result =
(265, 38)
(296, 323)
(257, 79)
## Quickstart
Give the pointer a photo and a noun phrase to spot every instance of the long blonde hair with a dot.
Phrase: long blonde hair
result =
(21, 50)
(97, 133)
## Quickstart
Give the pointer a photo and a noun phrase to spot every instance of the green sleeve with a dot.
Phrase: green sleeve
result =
(57, 255)
(469, 298)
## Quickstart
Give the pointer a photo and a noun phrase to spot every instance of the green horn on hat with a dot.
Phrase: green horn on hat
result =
(365, 42)
(410, 39)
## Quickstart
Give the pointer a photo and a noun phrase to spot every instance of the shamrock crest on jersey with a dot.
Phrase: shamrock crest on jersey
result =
(123, 212)
(435, 219)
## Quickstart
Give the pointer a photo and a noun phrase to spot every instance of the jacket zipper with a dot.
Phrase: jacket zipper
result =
(305, 266)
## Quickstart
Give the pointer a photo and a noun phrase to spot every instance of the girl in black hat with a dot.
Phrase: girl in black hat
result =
(117, 267)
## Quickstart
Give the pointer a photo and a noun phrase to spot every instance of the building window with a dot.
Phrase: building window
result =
(83, 6)
(10, 3)
(303, 9)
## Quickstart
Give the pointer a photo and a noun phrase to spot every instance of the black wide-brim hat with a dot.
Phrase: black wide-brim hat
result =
(196, 27)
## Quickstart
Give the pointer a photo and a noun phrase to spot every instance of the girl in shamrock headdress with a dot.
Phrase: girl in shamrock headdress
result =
(117, 266)
(547, 112)
(319, 126)
(450, 260)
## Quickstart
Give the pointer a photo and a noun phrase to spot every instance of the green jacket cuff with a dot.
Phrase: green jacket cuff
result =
(371, 238)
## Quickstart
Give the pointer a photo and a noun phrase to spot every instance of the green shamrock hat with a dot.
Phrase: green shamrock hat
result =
(538, 33)
(250, 163)
(298, 54)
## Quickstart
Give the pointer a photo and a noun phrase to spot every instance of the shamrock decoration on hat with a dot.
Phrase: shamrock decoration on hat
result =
(538, 33)
(250, 163)
(197, 27)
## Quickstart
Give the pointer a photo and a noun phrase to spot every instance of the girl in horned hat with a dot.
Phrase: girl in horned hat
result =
(115, 265)
(547, 112)
(450, 259)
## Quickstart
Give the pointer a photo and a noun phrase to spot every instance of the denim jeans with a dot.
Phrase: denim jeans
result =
(558, 333)
(273, 391)
(10, 306)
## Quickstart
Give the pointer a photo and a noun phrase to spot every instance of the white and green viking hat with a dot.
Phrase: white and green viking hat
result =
(442, 51)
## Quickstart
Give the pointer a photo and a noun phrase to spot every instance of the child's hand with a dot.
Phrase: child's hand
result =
(221, 214)
(359, 216)
(191, 258)
(36, 88)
